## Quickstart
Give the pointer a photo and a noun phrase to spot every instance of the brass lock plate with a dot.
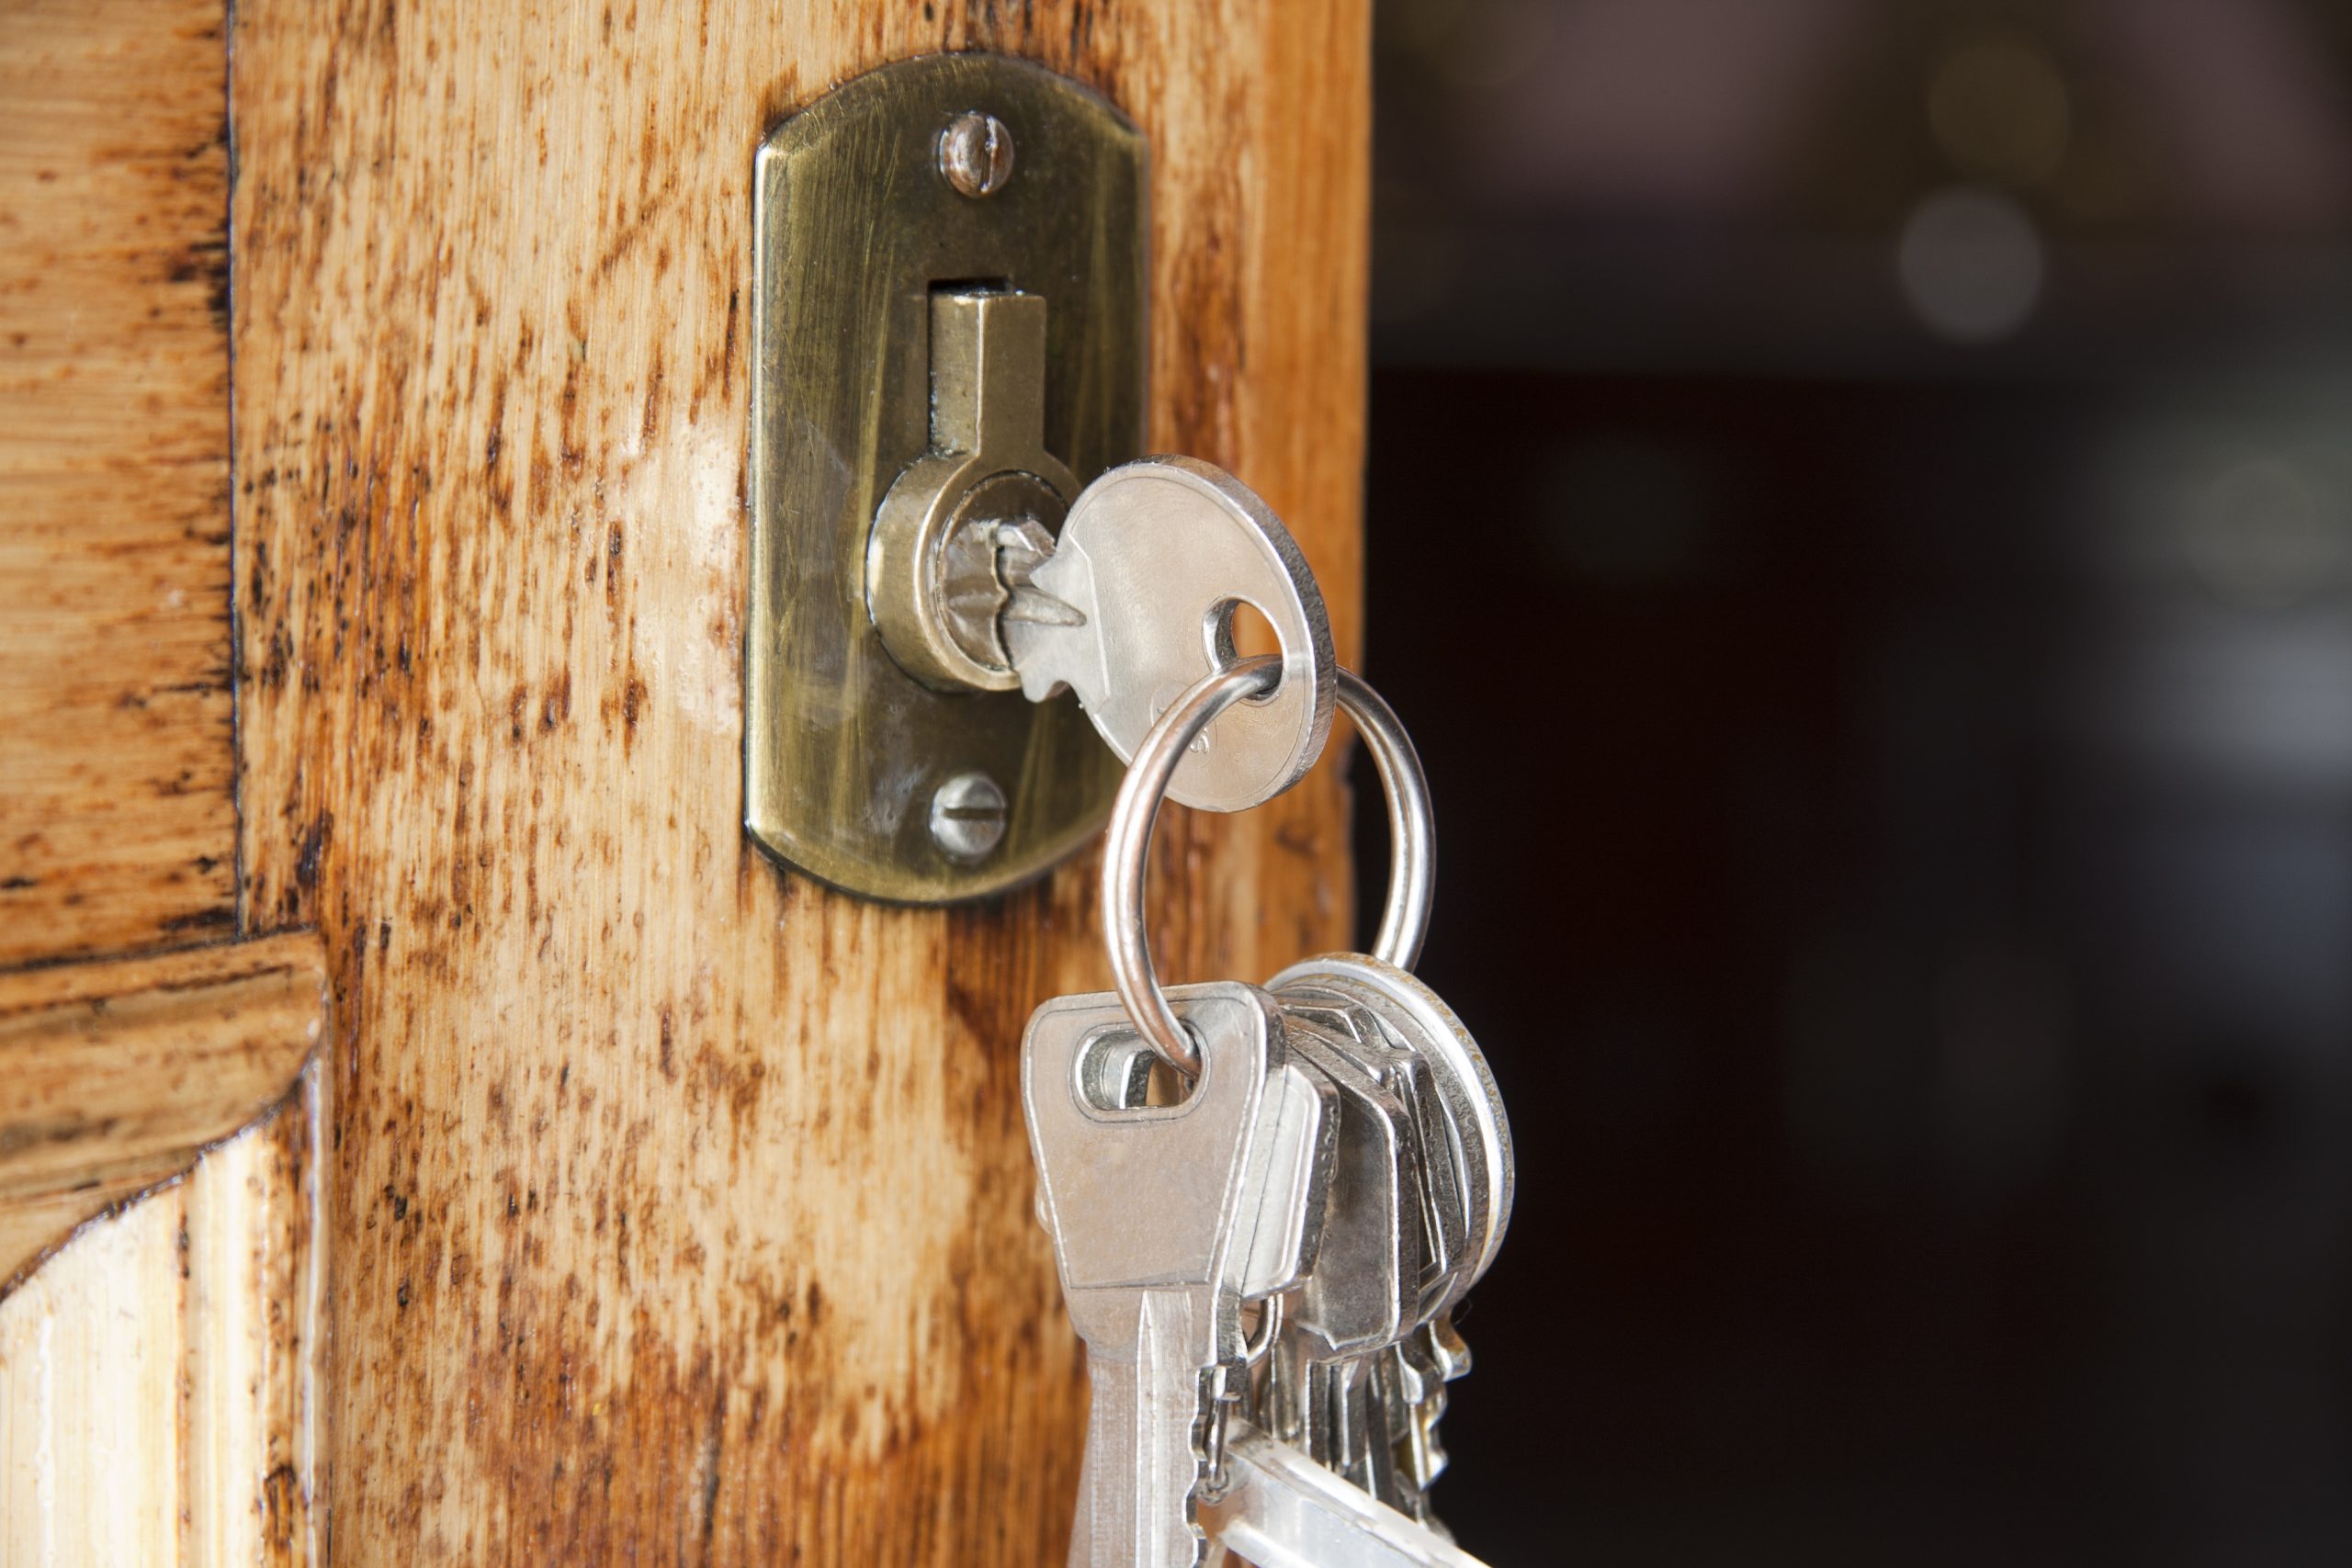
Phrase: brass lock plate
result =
(943, 173)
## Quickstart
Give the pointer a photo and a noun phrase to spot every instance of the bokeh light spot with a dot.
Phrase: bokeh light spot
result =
(1970, 265)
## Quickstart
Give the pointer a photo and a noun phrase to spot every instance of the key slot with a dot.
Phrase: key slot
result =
(1119, 1074)
(1120, 1077)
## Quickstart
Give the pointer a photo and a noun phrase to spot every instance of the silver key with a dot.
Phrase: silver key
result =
(1164, 1218)
(1135, 604)
(1371, 1232)
(1412, 1376)
(1316, 1391)
(1280, 1509)
(1372, 1415)
(1465, 1134)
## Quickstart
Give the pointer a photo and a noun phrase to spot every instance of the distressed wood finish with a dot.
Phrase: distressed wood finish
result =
(160, 1374)
(113, 1076)
(117, 830)
(684, 1207)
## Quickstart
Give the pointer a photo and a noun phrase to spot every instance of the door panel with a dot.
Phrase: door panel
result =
(683, 1208)
(160, 1388)
(117, 829)
(115, 1077)
(161, 1395)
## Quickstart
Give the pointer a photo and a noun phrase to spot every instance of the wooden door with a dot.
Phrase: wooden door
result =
(676, 1208)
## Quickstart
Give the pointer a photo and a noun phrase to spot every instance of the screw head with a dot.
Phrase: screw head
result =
(975, 154)
(968, 817)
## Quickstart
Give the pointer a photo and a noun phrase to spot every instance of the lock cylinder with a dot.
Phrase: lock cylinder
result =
(960, 527)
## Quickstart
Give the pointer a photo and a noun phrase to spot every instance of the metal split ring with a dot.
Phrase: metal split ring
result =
(1412, 838)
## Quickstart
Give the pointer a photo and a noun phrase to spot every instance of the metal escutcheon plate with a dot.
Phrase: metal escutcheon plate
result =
(845, 755)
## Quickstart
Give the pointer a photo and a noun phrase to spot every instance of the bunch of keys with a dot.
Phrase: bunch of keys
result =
(1264, 1250)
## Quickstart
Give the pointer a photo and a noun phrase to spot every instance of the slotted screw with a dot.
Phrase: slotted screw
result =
(968, 817)
(975, 154)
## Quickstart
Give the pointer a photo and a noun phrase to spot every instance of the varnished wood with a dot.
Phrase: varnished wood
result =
(117, 830)
(160, 1373)
(114, 1075)
(683, 1208)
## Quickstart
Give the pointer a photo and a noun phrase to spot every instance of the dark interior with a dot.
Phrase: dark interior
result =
(1860, 527)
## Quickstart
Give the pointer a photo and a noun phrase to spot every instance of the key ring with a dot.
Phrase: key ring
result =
(1412, 837)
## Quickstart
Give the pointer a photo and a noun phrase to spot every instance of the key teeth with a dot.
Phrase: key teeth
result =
(1428, 1360)
(1219, 1394)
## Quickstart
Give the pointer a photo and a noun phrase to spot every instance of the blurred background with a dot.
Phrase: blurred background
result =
(1860, 525)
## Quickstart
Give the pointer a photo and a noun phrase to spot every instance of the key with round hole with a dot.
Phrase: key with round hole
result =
(1465, 1156)
(1165, 1219)
(1364, 1292)
(1135, 603)
(1467, 1130)
(1370, 1410)
(1328, 1386)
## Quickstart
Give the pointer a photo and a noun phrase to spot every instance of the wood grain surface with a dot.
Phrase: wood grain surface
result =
(160, 1374)
(117, 829)
(115, 1076)
(683, 1208)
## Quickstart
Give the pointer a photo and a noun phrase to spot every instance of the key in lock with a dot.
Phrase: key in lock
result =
(989, 569)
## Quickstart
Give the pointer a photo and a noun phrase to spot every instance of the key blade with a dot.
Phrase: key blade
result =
(1280, 1509)
(1035, 607)
(1146, 1432)
(1053, 655)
